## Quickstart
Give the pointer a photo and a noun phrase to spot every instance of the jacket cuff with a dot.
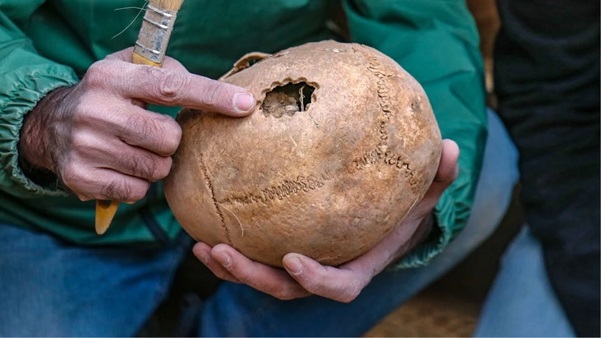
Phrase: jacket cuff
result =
(24, 89)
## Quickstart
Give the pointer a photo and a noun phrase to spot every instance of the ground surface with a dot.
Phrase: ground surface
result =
(430, 314)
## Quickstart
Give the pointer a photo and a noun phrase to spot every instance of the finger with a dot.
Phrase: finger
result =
(158, 133)
(448, 170)
(445, 175)
(134, 161)
(103, 184)
(122, 188)
(273, 281)
(202, 251)
(131, 161)
(172, 85)
(343, 285)
(401, 240)
(110, 113)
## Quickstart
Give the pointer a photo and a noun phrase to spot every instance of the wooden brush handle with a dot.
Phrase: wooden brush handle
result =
(105, 212)
(140, 60)
(156, 31)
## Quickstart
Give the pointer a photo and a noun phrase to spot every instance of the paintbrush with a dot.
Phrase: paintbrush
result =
(149, 49)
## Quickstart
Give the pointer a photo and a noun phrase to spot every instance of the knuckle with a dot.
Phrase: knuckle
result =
(349, 294)
(83, 197)
(171, 86)
(113, 190)
(162, 169)
(138, 192)
(151, 167)
(171, 135)
(286, 293)
(70, 176)
(80, 142)
(73, 177)
(215, 96)
(142, 126)
(125, 191)
(162, 132)
(146, 166)
(98, 74)
(81, 113)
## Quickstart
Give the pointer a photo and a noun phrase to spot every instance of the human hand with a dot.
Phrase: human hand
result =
(97, 136)
(303, 276)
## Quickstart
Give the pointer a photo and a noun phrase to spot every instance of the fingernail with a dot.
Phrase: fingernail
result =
(294, 265)
(244, 101)
(224, 259)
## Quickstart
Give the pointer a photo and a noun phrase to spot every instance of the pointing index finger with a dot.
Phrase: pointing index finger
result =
(174, 86)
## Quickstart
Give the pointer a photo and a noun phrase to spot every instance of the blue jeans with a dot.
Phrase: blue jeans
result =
(521, 302)
(48, 287)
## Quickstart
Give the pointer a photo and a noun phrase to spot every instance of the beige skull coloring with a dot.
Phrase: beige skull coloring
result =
(341, 145)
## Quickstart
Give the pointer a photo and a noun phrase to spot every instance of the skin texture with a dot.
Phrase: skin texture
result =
(75, 132)
(303, 276)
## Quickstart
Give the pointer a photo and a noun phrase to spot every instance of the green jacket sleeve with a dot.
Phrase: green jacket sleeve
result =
(437, 42)
(25, 78)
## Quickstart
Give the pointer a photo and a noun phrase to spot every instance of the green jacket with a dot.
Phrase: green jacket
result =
(49, 44)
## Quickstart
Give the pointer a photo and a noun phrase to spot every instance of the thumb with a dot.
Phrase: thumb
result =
(448, 169)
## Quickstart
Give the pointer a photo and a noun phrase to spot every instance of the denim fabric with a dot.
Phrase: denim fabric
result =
(48, 287)
(522, 302)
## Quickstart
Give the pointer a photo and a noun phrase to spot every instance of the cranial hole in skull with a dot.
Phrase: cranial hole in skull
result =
(287, 100)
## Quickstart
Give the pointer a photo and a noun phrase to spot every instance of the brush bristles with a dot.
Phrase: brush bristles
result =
(169, 5)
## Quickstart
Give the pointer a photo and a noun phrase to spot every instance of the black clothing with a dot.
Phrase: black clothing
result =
(547, 82)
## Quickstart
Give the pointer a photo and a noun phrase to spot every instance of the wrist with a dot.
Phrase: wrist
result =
(35, 142)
